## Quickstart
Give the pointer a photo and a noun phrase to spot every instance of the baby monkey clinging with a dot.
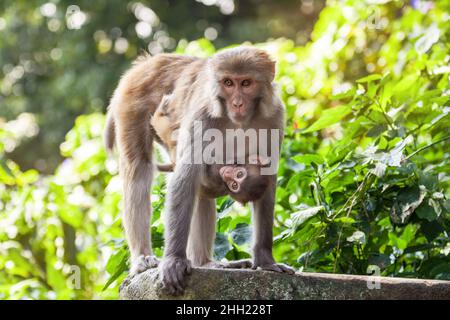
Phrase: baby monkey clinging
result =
(243, 182)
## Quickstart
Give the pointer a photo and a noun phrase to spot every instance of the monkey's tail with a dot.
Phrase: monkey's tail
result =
(109, 135)
(165, 167)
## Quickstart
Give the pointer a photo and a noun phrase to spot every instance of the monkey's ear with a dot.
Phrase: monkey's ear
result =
(270, 64)
(261, 161)
(272, 70)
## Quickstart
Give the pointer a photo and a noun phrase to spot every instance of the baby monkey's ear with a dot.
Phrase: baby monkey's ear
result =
(261, 161)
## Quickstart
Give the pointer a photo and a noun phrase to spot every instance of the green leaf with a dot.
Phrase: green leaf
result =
(241, 234)
(346, 220)
(386, 94)
(221, 246)
(369, 78)
(409, 232)
(441, 271)
(71, 215)
(405, 84)
(237, 253)
(431, 229)
(425, 211)
(376, 130)
(302, 215)
(346, 94)
(308, 158)
(223, 224)
(429, 180)
(407, 201)
(420, 247)
(436, 206)
(6, 175)
(225, 204)
(397, 242)
(114, 277)
(116, 266)
(116, 260)
(294, 181)
(380, 260)
(329, 117)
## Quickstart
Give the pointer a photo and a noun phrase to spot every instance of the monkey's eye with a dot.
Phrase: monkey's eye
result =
(240, 174)
(246, 83)
(227, 82)
(234, 186)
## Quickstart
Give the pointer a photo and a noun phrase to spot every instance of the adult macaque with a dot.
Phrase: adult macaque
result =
(232, 90)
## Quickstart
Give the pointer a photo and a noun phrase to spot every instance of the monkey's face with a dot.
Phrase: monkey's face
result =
(233, 177)
(240, 95)
(244, 182)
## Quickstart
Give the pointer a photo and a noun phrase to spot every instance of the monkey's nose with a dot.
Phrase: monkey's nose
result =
(238, 105)
(226, 173)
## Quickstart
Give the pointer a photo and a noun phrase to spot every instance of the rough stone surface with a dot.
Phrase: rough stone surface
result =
(217, 284)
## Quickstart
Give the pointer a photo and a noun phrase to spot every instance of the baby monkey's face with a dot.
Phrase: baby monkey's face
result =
(245, 182)
(233, 176)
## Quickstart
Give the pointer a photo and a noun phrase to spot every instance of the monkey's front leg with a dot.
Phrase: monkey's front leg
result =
(181, 194)
(263, 210)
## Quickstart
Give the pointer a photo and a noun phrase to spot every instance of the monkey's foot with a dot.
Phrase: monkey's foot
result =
(143, 263)
(173, 272)
(238, 264)
(276, 267)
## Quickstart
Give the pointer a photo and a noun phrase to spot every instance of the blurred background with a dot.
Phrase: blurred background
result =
(364, 179)
(64, 58)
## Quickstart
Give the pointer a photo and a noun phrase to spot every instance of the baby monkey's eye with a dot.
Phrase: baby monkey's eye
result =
(227, 82)
(246, 83)
(234, 186)
(240, 174)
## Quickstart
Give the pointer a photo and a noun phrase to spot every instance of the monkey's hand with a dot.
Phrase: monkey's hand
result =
(173, 272)
(143, 263)
(275, 267)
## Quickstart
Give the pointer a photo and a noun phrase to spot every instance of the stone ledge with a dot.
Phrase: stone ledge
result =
(235, 284)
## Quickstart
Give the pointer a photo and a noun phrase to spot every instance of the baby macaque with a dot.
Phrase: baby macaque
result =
(165, 124)
(243, 182)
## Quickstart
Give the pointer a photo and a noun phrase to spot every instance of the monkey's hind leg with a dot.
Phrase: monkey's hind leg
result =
(202, 232)
(137, 214)
(136, 169)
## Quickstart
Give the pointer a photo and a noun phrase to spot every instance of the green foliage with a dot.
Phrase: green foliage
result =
(56, 227)
(365, 176)
(363, 179)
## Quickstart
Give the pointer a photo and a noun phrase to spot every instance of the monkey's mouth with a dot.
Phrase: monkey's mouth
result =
(239, 118)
